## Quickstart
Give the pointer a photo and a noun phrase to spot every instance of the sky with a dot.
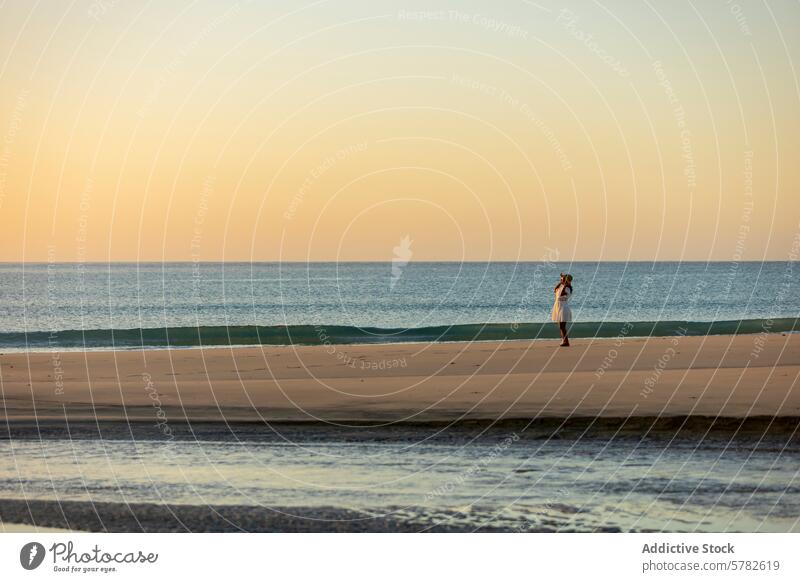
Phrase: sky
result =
(334, 131)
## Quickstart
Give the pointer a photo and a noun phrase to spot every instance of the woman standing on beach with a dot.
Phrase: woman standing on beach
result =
(561, 313)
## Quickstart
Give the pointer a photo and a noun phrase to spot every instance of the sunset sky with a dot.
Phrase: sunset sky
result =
(138, 131)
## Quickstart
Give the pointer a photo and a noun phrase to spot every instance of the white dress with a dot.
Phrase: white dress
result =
(561, 311)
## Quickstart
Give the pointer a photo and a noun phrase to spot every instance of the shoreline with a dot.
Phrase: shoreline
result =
(374, 384)
(744, 430)
(106, 349)
(232, 336)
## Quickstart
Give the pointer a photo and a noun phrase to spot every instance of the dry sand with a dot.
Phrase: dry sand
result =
(27, 528)
(730, 376)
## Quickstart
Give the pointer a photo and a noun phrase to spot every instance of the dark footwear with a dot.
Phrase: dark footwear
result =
(562, 345)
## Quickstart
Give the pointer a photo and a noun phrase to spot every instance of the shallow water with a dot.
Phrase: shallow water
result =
(63, 306)
(153, 295)
(511, 482)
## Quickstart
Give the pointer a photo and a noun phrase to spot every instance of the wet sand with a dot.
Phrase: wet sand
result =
(160, 518)
(728, 376)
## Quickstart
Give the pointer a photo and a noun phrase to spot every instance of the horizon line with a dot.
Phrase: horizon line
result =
(389, 260)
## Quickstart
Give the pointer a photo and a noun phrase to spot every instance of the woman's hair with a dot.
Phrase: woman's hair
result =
(567, 282)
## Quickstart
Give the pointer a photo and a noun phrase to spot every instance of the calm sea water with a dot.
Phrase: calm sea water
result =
(58, 297)
(519, 485)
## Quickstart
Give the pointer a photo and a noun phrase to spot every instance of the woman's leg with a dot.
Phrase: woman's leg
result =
(562, 326)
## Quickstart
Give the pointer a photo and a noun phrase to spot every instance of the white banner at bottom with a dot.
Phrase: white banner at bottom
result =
(401, 557)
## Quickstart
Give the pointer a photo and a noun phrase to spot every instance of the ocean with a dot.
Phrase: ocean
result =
(126, 305)
(506, 477)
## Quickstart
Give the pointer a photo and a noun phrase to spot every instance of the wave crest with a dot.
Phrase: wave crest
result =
(343, 334)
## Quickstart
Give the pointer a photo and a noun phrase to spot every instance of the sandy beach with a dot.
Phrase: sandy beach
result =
(728, 376)
(606, 403)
